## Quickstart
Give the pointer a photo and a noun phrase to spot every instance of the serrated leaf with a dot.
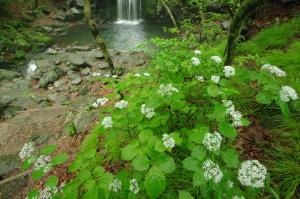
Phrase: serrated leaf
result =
(213, 90)
(228, 130)
(60, 158)
(165, 163)
(141, 162)
(199, 152)
(185, 195)
(155, 183)
(198, 178)
(191, 164)
(145, 135)
(47, 150)
(129, 152)
(230, 157)
(52, 181)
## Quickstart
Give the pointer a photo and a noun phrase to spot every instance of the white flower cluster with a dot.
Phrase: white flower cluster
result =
(197, 52)
(121, 104)
(107, 122)
(216, 59)
(215, 79)
(148, 112)
(238, 197)
(134, 186)
(100, 102)
(274, 70)
(43, 162)
(168, 141)
(287, 93)
(115, 186)
(212, 171)
(195, 61)
(229, 71)
(147, 74)
(168, 89)
(139, 75)
(200, 78)
(47, 193)
(236, 116)
(26, 151)
(212, 141)
(252, 173)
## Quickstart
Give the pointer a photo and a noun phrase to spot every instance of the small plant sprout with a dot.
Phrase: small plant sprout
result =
(212, 141)
(215, 79)
(252, 173)
(212, 171)
(134, 186)
(273, 70)
(196, 61)
(107, 122)
(27, 151)
(121, 104)
(115, 186)
(197, 52)
(229, 71)
(147, 111)
(168, 141)
(287, 93)
(168, 89)
(216, 59)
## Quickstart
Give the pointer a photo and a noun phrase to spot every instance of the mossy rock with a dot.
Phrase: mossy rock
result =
(8, 75)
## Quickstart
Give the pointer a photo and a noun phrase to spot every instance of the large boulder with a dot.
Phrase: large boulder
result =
(8, 75)
(48, 78)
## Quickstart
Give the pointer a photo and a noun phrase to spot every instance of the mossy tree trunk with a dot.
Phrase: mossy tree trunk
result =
(170, 13)
(92, 25)
(35, 4)
(247, 7)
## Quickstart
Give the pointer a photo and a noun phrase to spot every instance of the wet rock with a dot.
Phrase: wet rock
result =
(102, 65)
(76, 81)
(45, 65)
(77, 60)
(8, 163)
(59, 83)
(74, 14)
(48, 78)
(73, 75)
(85, 71)
(51, 51)
(8, 75)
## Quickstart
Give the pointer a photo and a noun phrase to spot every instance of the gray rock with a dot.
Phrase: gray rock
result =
(102, 65)
(8, 163)
(83, 119)
(77, 60)
(85, 71)
(73, 75)
(46, 28)
(48, 78)
(58, 99)
(8, 75)
(76, 81)
(45, 65)
(63, 88)
(59, 83)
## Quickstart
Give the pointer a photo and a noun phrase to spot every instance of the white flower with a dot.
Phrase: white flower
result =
(137, 75)
(238, 197)
(200, 78)
(43, 162)
(252, 173)
(287, 93)
(96, 74)
(100, 102)
(148, 112)
(26, 151)
(147, 74)
(134, 186)
(274, 70)
(236, 117)
(168, 141)
(47, 193)
(197, 52)
(212, 141)
(107, 122)
(168, 89)
(215, 79)
(227, 103)
(229, 71)
(115, 186)
(114, 76)
(196, 61)
(212, 171)
(216, 59)
(121, 104)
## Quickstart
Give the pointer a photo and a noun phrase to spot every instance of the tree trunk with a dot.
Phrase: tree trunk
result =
(35, 4)
(170, 13)
(92, 25)
(247, 7)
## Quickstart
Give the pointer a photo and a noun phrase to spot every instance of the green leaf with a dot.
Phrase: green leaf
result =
(141, 162)
(47, 150)
(33, 194)
(185, 195)
(230, 157)
(191, 164)
(198, 178)
(60, 158)
(52, 181)
(219, 113)
(213, 90)
(228, 130)
(105, 180)
(129, 152)
(159, 146)
(98, 171)
(145, 135)
(155, 182)
(264, 98)
(165, 163)
(91, 191)
(37, 174)
(199, 152)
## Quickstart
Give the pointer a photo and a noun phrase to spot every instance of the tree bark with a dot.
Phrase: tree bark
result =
(92, 25)
(35, 4)
(247, 7)
(170, 13)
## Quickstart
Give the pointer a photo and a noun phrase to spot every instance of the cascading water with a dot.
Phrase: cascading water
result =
(129, 11)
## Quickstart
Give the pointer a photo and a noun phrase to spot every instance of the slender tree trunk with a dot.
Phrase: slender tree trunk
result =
(35, 4)
(170, 13)
(92, 25)
(247, 7)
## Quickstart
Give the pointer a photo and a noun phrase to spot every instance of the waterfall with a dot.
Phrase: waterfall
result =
(129, 11)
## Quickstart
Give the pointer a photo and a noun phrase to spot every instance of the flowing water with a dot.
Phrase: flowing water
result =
(129, 11)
